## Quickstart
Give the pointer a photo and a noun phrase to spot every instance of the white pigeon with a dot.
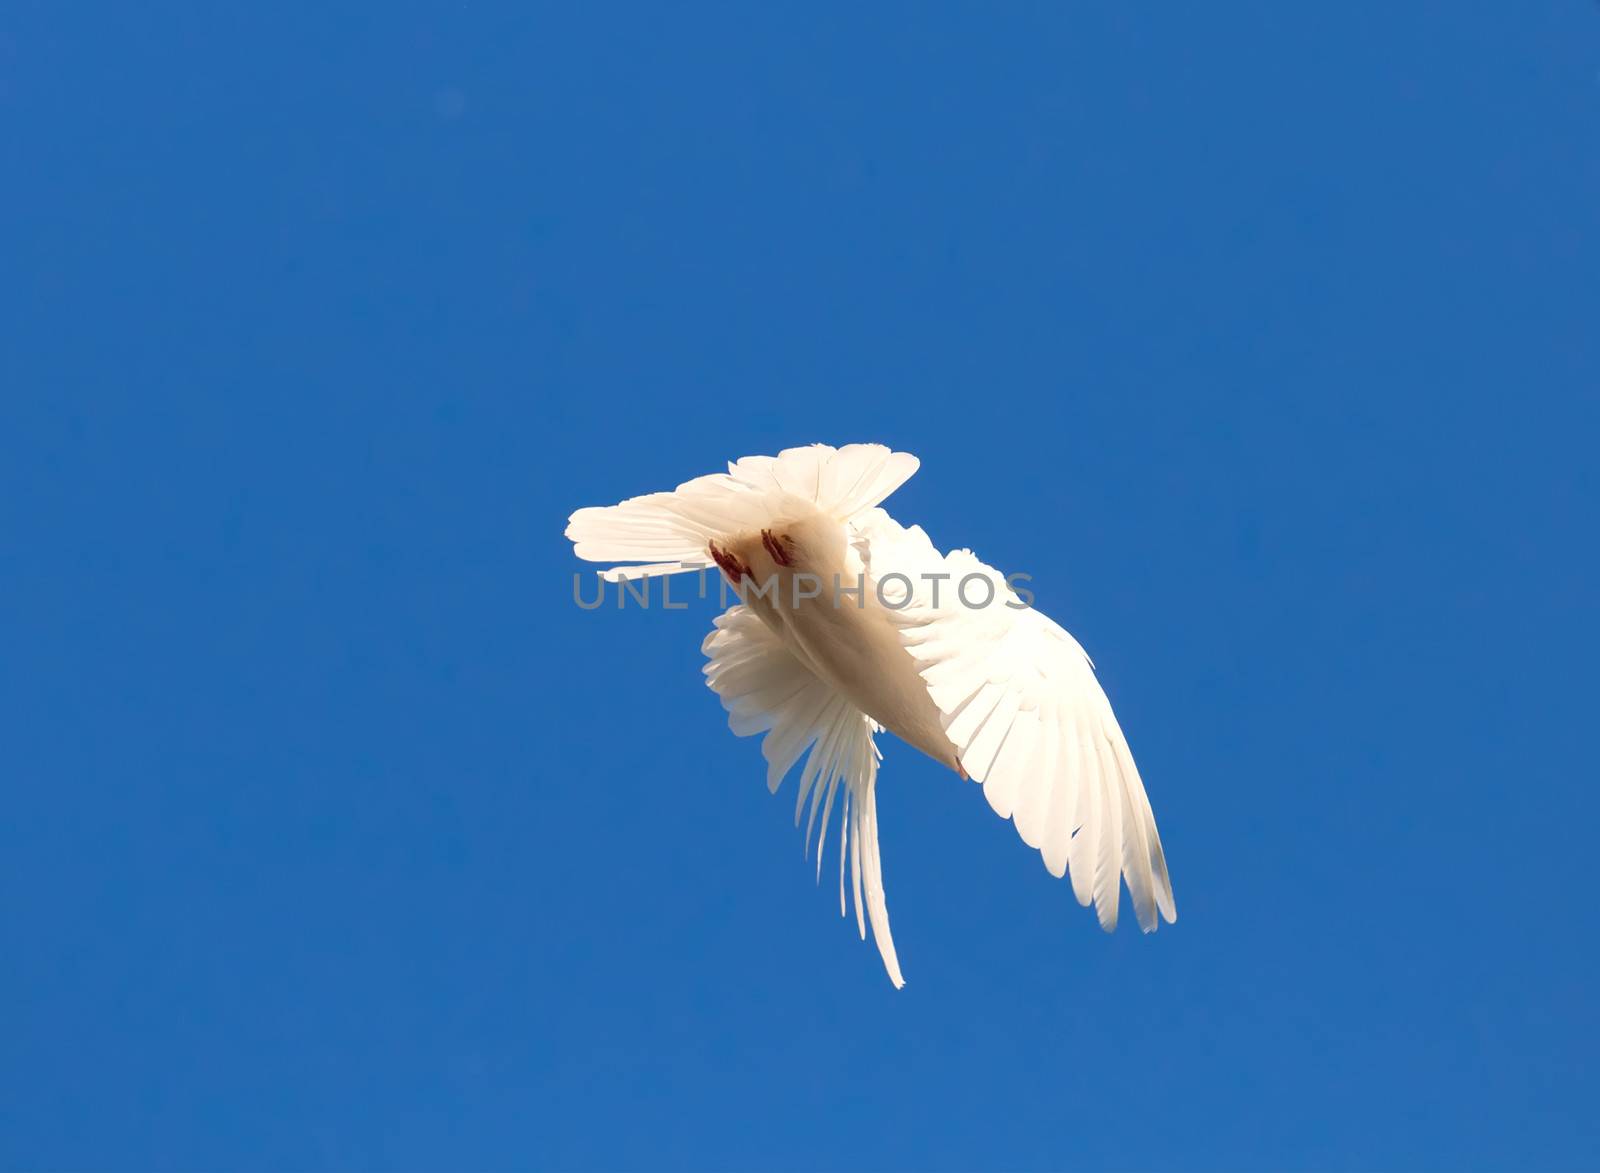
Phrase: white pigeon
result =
(851, 624)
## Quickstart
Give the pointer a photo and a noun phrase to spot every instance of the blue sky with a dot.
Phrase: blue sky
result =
(1262, 335)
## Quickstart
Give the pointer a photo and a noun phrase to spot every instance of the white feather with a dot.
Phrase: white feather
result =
(998, 691)
(1021, 705)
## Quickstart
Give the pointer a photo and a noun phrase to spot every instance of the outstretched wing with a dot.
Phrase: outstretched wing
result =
(1019, 700)
(767, 690)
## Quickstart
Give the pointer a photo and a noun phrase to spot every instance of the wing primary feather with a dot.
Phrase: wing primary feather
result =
(1108, 870)
(1086, 833)
(1136, 867)
(764, 688)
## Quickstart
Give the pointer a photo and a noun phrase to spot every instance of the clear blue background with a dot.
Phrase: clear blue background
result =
(1263, 335)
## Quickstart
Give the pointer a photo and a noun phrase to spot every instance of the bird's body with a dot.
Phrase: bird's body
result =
(820, 601)
(850, 624)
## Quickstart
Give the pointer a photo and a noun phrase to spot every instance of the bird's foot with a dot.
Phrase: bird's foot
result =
(779, 546)
(729, 563)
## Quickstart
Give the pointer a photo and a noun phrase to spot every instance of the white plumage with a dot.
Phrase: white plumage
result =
(935, 648)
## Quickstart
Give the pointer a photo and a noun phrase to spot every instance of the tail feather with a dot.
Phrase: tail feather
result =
(670, 532)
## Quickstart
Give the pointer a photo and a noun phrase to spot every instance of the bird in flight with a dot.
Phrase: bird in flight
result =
(851, 624)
